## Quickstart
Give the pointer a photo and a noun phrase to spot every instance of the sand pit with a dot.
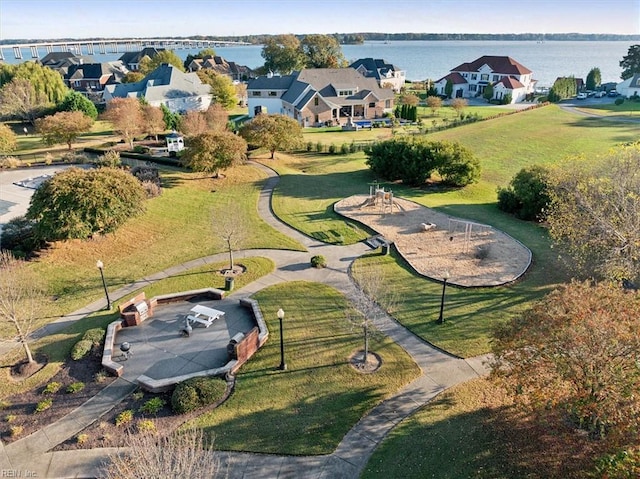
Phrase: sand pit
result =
(432, 242)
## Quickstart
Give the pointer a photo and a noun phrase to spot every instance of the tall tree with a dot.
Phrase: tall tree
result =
(230, 230)
(44, 80)
(213, 151)
(448, 88)
(487, 94)
(283, 54)
(594, 78)
(222, 89)
(273, 132)
(21, 298)
(577, 351)
(193, 123)
(322, 51)
(434, 103)
(19, 99)
(147, 65)
(217, 117)
(75, 101)
(8, 139)
(126, 116)
(78, 203)
(630, 62)
(595, 212)
(153, 120)
(63, 127)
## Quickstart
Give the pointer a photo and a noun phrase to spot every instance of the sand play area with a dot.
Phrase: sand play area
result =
(435, 243)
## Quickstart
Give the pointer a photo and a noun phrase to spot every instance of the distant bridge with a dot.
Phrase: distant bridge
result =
(102, 47)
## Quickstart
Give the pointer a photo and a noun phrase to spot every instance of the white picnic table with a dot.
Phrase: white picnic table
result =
(204, 315)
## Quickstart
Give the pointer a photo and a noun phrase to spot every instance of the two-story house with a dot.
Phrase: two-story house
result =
(386, 74)
(93, 77)
(506, 76)
(166, 85)
(320, 96)
(132, 60)
(221, 66)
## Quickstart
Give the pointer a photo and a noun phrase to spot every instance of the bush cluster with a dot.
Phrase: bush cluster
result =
(527, 195)
(90, 339)
(318, 261)
(196, 393)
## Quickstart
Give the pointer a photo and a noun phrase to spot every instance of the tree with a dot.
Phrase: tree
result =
(126, 116)
(231, 230)
(171, 120)
(576, 351)
(409, 99)
(527, 195)
(223, 90)
(8, 139)
(562, 88)
(630, 62)
(322, 51)
(63, 127)
(133, 77)
(455, 163)
(274, 132)
(204, 53)
(594, 78)
(448, 88)
(210, 152)
(19, 99)
(594, 212)
(217, 117)
(459, 104)
(147, 65)
(434, 103)
(184, 454)
(21, 298)
(75, 101)
(193, 123)
(487, 94)
(153, 120)
(283, 54)
(78, 203)
(44, 80)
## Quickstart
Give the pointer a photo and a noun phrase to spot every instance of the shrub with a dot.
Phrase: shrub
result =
(319, 147)
(18, 235)
(15, 431)
(196, 392)
(137, 395)
(125, 417)
(332, 149)
(151, 190)
(9, 162)
(152, 406)
(10, 417)
(101, 376)
(95, 335)
(146, 425)
(44, 405)
(344, 149)
(109, 159)
(81, 349)
(619, 101)
(140, 149)
(309, 146)
(73, 157)
(52, 388)
(82, 438)
(318, 261)
(353, 147)
(526, 196)
(4, 404)
(75, 387)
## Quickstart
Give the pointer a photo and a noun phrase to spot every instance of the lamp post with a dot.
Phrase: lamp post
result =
(100, 266)
(283, 365)
(445, 278)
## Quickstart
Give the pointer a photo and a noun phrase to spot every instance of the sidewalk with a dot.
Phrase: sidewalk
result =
(440, 371)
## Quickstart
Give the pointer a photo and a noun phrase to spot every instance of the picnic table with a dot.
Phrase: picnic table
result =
(204, 315)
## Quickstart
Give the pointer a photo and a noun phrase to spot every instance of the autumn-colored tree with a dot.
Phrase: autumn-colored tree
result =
(133, 77)
(223, 91)
(322, 51)
(8, 139)
(78, 203)
(241, 93)
(595, 212)
(216, 117)
(193, 123)
(19, 99)
(213, 151)
(434, 103)
(409, 99)
(283, 54)
(577, 351)
(21, 298)
(147, 65)
(63, 127)
(153, 120)
(126, 116)
(273, 132)
(459, 104)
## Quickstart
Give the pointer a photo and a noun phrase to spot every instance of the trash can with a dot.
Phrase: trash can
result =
(385, 249)
(228, 283)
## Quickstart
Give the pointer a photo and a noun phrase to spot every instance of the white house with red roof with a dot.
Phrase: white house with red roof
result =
(506, 75)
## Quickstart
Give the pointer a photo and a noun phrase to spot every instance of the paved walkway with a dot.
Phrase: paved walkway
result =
(439, 371)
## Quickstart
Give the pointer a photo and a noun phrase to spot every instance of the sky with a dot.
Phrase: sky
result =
(50, 19)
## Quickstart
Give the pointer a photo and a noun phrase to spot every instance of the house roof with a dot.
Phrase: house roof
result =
(455, 78)
(135, 57)
(498, 64)
(88, 71)
(510, 83)
(163, 83)
(376, 68)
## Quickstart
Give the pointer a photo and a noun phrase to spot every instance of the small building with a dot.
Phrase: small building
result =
(175, 143)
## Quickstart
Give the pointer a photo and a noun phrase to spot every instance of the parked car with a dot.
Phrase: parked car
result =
(612, 93)
(600, 94)
(581, 96)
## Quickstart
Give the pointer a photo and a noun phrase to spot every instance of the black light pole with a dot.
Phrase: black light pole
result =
(445, 278)
(100, 266)
(283, 365)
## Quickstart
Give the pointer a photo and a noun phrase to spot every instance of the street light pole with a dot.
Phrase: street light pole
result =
(445, 278)
(283, 365)
(100, 266)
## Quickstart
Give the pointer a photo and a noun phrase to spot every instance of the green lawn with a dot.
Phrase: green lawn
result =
(308, 408)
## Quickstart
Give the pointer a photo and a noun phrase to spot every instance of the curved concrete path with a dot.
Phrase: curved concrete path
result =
(439, 371)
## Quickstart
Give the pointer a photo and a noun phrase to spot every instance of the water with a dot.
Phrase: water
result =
(433, 59)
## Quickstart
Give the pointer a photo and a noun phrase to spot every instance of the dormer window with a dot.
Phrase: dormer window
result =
(345, 92)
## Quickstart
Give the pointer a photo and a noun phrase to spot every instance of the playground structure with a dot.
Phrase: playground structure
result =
(379, 197)
(471, 233)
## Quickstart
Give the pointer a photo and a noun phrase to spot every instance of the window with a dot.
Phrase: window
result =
(474, 76)
(496, 77)
(484, 77)
(387, 104)
(473, 87)
(256, 93)
(372, 104)
(316, 102)
(345, 93)
(273, 93)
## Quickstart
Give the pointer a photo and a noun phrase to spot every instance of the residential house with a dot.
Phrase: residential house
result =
(93, 77)
(132, 60)
(629, 87)
(320, 96)
(385, 73)
(221, 66)
(61, 61)
(166, 85)
(506, 75)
